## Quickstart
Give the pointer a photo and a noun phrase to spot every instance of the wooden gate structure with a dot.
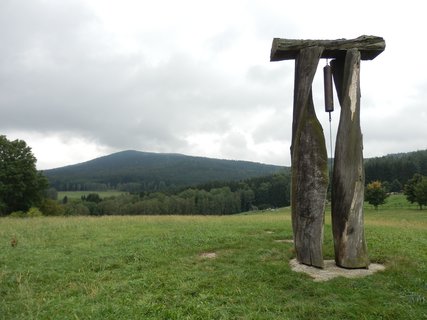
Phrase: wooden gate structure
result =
(309, 160)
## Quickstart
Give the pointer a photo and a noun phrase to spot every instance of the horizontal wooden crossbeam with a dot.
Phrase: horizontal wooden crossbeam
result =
(287, 49)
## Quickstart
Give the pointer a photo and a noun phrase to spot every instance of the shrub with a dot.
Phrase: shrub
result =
(51, 207)
(34, 212)
(76, 208)
(18, 214)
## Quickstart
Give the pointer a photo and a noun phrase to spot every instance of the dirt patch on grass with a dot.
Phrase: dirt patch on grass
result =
(284, 240)
(332, 271)
(208, 255)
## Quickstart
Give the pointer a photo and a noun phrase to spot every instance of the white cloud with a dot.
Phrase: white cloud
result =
(63, 148)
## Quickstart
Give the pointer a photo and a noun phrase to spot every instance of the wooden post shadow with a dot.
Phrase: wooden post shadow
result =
(309, 155)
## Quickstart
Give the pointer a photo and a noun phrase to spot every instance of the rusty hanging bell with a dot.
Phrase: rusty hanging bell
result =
(327, 80)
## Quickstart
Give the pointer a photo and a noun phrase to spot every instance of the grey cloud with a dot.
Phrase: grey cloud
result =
(62, 73)
(122, 100)
(276, 74)
(67, 79)
(276, 128)
(235, 146)
(31, 27)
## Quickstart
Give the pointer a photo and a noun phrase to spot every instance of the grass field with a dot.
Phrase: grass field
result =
(153, 267)
(79, 194)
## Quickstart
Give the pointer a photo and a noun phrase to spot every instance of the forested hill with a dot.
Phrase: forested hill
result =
(396, 167)
(145, 171)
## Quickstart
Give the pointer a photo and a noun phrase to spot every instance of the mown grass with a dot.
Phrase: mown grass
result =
(396, 201)
(150, 267)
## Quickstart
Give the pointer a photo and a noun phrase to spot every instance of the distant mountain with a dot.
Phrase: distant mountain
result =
(146, 171)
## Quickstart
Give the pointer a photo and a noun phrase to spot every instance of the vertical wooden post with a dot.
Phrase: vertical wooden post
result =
(309, 164)
(348, 176)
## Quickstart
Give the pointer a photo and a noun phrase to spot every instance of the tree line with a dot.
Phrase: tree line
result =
(217, 198)
(397, 169)
(393, 170)
(209, 199)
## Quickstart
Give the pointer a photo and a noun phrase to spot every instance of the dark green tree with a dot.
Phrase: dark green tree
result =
(92, 197)
(375, 194)
(421, 192)
(416, 190)
(396, 186)
(51, 193)
(262, 195)
(409, 189)
(247, 197)
(21, 185)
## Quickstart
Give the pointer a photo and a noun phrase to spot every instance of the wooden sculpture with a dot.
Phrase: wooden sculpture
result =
(309, 155)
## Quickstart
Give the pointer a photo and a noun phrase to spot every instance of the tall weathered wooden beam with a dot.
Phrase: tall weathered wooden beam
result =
(368, 46)
(309, 164)
(348, 176)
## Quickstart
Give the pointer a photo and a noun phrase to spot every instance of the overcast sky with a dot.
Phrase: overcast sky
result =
(85, 78)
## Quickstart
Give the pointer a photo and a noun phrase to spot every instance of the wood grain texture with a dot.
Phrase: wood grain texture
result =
(309, 164)
(348, 175)
(369, 47)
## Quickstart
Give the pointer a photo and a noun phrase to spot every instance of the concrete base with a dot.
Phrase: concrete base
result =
(331, 271)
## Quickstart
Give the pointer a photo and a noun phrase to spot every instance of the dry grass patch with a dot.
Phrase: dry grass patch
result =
(208, 255)
(284, 241)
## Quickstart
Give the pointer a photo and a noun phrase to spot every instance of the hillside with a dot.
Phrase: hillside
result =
(145, 171)
(396, 167)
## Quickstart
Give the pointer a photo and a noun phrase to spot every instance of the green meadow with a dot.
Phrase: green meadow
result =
(164, 267)
(79, 194)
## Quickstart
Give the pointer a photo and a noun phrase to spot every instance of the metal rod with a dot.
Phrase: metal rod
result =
(330, 140)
